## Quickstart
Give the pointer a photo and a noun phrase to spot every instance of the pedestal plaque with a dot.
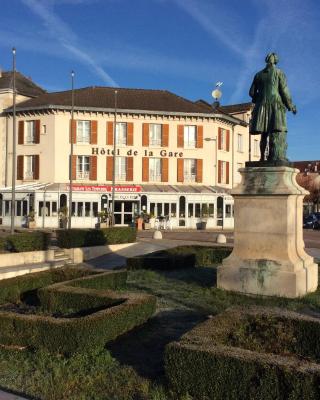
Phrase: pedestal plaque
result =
(268, 256)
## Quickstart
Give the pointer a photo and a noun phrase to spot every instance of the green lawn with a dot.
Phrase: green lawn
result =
(132, 366)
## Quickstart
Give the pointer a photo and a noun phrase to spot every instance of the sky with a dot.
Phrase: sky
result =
(184, 46)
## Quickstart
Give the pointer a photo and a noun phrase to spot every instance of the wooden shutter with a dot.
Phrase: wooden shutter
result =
(21, 133)
(227, 172)
(110, 133)
(145, 169)
(180, 172)
(20, 168)
(200, 137)
(73, 131)
(199, 171)
(219, 170)
(145, 134)
(180, 136)
(109, 168)
(165, 135)
(164, 169)
(37, 131)
(74, 167)
(219, 138)
(94, 132)
(228, 140)
(93, 168)
(129, 166)
(36, 165)
(130, 134)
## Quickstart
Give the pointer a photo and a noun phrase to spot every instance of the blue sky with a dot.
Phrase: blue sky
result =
(184, 46)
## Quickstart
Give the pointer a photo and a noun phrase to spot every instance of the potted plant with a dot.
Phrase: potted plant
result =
(104, 219)
(63, 217)
(31, 219)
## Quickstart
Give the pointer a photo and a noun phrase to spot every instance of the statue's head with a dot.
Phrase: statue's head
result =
(272, 58)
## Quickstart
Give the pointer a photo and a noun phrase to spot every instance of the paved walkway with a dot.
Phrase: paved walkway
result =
(9, 396)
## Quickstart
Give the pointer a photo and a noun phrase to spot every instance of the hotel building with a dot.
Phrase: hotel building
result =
(174, 158)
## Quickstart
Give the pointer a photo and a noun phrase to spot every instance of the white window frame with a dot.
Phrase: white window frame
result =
(83, 167)
(30, 132)
(190, 136)
(155, 135)
(223, 139)
(83, 132)
(240, 142)
(190, 170)
(121, 168)
(223, 172)
(155, 168)
(28, 167)
(121, 133)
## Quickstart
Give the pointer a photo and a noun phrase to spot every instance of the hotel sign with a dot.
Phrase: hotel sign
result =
(146, 153)
(106, 188)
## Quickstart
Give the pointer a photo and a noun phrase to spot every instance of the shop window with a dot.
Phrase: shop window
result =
(182, 206)
(7, 208)
(54, 208)
(190, 169)
(228, 211)
(44, 210)
(121, 133)
(87, 209)
(190, 136)
(204, 210)
(155, 135)
(95, 209)
(211, 210)
(166, 209)
(144, 203)
(173, 210)
(220, 207)
(0, 204)
(197, 210)
(152, 209)
(73, 209)
(80, 210)
(83, 132)
(159, 209)
(128, 206)
(63, 200)
(190, 210)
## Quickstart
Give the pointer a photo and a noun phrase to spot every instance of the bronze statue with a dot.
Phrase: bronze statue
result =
(271, 98)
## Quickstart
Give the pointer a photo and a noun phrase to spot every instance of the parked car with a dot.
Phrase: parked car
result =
(312, 221)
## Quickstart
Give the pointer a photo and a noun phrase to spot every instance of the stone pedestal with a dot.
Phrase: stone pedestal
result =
(268, 256)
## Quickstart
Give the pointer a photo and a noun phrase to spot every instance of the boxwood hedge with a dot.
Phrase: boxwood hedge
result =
(25, 241)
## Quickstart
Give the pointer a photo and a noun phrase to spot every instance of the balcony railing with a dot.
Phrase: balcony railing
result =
(190, 178)
(121, 177)
(155, 142)
(29, 175)
(83, 175)
(155, 177)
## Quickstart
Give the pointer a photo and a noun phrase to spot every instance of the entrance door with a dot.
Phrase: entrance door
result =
(124, 212)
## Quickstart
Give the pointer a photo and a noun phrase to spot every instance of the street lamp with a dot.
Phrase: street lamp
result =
(14, 141)
(114, 154)
(71, 150)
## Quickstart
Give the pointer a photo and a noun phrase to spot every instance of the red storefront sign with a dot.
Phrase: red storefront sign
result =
(105, 188)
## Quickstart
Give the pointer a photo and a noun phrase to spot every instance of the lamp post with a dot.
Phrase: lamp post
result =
(71, 151)
(114, 154)
(14, 141)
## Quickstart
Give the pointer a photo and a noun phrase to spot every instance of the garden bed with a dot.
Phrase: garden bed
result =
(256, 353)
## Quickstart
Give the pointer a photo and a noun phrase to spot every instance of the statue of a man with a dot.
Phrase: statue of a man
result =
(271, 98)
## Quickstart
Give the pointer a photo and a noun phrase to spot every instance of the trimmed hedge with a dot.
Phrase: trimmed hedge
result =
(25, 241)
(207, 363)
(164, 262)
(204, 255)
(70, 238)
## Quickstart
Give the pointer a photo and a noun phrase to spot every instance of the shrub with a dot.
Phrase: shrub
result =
(204, 255)
(120, 235)
(3, 244)
(208, 362)
(165, 262)
(28, 241)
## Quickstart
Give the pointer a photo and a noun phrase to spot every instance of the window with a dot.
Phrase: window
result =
(29, 163)
(238, 175)
(190, 136)
(155, 134)
(83, 167)
(256, 148)
(44, 129)
(121, 171)
(121, 133)
(223, 139)
(30, 132)
(240, 142)
(190, 170)
(83, 131)
(155, 169)
(223, 173)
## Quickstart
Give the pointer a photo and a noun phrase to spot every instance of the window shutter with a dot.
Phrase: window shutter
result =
(94, 132)
(165, 135)
(129, 167)
(109, 168)
(227, 172)
(110, 133)
(21, 132)
(145, 135)
(93, 168)
(20, 168)
(180, 137)
(74, 167)
(228, 141)
(164, 169)
(219, 170)
(73, 131)
(36, 161)
(130, 134)
(200, 137)
(180, 172)
(199, 171)
(219, 139)
(145, 169)
(37, 131)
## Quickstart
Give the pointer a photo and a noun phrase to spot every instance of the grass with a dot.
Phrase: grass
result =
(132, 366)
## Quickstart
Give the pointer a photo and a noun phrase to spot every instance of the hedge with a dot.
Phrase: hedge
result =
(207, 363)
(164, 262)
(97, 315)
(3, 244)
(70, 238)
(204, 255)
(26, 241)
